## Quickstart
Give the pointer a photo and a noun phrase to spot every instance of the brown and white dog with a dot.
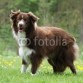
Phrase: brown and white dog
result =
(36, 43)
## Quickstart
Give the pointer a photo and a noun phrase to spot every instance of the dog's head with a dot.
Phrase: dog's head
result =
(22, 21)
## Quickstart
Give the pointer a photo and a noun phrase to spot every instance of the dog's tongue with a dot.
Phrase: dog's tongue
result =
(20, 30)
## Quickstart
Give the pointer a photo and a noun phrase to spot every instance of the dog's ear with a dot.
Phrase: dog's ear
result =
(14, 14)
(33, 17)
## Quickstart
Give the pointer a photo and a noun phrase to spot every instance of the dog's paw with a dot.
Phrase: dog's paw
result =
(32, 74)
(23, 69)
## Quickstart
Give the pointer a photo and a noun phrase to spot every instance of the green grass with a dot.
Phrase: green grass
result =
(10, 72)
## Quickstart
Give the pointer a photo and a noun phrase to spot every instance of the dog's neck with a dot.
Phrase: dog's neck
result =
(31, 31)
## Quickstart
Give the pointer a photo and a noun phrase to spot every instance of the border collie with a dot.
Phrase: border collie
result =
(35, 43)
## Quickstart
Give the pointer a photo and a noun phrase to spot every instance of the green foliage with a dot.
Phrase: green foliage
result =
(28, 5)
(10, 72)
(66, 14)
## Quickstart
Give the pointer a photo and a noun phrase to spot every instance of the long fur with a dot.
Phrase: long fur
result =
(59, 56)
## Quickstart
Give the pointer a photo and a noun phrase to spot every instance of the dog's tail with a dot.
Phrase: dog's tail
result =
(76, 50)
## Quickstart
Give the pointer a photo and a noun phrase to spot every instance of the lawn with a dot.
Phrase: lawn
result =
(10, 72)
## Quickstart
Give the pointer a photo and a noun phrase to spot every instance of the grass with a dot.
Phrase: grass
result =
(10, 72)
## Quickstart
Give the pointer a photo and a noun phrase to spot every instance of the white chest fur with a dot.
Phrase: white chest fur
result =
(24, 52)
(22, 40)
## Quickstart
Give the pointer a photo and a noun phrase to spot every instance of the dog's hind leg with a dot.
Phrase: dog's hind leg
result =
(57, 67)
(70, 57)
(72, 67)
(50, 61)
(70, 64)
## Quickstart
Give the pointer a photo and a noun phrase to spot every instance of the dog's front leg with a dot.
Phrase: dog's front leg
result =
(35, 62)
(24, 66)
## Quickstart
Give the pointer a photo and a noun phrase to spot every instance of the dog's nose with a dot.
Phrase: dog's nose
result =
(20, 25)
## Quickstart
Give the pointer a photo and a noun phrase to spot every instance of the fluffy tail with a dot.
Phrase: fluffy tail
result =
(76, 50)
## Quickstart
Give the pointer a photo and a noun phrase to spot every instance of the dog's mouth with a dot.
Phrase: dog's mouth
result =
(21, 29)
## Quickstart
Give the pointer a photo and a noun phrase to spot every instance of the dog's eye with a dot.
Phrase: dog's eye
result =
(19, 18)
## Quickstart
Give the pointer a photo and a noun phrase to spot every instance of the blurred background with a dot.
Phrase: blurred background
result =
(67, 14)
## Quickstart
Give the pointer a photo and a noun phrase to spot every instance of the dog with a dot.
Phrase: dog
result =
(36, 43)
